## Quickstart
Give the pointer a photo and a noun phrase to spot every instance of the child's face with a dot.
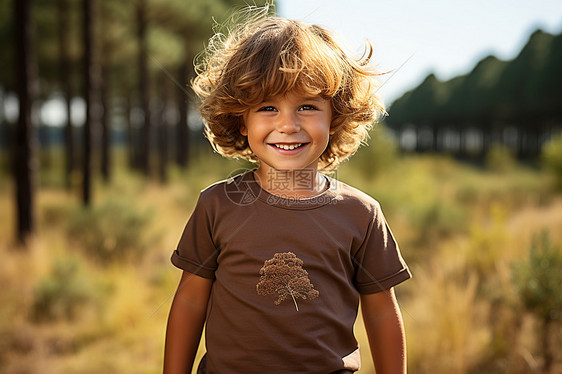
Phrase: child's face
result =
(289, 132)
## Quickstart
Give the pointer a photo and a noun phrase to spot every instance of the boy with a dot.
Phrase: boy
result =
(276, 259)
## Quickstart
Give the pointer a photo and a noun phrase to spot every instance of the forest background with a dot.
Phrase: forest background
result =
(92, 207)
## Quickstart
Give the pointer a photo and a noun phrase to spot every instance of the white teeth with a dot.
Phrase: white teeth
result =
(288, 147)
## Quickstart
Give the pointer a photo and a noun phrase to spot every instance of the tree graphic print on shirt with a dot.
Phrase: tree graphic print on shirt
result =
(284, 277)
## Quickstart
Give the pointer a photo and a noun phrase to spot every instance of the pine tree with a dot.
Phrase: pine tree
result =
(284, 277)
(23, 150)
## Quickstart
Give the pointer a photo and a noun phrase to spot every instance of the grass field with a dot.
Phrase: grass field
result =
(91, 292)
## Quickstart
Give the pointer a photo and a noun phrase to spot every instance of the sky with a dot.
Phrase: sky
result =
(413, 38)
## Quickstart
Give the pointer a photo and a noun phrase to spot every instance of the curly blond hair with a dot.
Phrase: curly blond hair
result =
(267, 56)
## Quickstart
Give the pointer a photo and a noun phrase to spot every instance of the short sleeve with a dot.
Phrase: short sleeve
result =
(196, 253)
(378, 263)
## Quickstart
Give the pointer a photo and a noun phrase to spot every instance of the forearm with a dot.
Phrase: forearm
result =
(385, 331)
(185, 325)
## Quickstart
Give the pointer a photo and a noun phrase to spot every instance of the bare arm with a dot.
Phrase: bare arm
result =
(185, 323)
(383, 322)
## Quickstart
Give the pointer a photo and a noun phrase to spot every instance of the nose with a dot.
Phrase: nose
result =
(288, 123)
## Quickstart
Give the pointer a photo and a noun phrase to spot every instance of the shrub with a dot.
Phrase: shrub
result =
(499, 158)
(113, 230)
(61, 294)
(379, 155)
(538, 282)
(551, 156)
(437, 219)
(487, 243)
(55, 214)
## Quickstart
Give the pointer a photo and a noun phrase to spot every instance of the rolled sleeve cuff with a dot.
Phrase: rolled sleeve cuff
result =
(385, 283)
(192, 266)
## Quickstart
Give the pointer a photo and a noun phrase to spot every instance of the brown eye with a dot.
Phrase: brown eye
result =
(308, 107)
(266, 109)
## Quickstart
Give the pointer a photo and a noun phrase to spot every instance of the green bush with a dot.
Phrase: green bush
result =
(538, 280)
(438, 218)
(114, 230)
(551, 156)
(499, 158)
(61, 294)
(487, 243)
(56, 214)
(378, 155)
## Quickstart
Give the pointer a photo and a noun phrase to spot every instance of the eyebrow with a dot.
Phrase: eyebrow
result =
(314, 98)
(317, 98)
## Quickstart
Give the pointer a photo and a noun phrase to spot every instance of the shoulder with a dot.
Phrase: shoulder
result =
(354, 199)
(225, 192)
(215, 189)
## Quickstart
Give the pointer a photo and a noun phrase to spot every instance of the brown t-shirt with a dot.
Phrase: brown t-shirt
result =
(287, 274)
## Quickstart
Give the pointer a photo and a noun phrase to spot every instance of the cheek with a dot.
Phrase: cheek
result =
(325, 129)
(333, 127)
(322, 138)
(256, 137)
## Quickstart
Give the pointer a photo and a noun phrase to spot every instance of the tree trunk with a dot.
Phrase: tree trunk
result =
(182, 129)
(163, 132)
(131, 145)
(143, 86)
(23, 166)
(91, 99)
(66, 87)
(436, 140)
(105, 122)
(4, 131)
(44, 136)
(7, 130)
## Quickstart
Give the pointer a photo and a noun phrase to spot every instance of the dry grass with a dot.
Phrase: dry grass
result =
(460, 228)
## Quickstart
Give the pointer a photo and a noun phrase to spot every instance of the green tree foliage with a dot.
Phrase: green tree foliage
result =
(549, 80)
(519, 94)
(177, 30)
(284, 277)
(474, 94)
(521, 90)
(422, 103)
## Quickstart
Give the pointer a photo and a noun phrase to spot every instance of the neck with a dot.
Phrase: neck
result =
(295, 184)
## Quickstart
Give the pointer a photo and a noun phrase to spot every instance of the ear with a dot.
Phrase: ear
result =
(243, 130)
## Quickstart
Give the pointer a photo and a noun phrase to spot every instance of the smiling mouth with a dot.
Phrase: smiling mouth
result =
(288, 147)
